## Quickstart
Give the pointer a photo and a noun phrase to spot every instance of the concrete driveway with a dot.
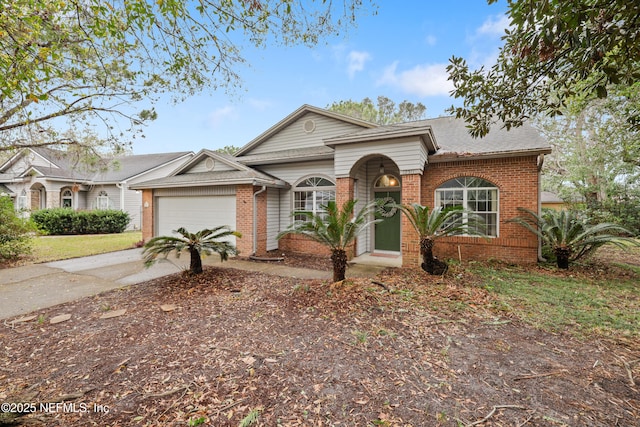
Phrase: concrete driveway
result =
(34, 287)
(37, 286)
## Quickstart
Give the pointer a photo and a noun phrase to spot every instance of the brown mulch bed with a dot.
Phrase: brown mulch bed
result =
(237, 346)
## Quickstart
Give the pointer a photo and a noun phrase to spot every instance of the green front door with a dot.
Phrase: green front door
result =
(387, 232)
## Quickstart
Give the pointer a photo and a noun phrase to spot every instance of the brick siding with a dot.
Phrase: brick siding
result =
(517, 182)
(147, 215)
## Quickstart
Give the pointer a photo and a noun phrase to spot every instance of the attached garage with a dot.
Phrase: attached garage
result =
(194, 212)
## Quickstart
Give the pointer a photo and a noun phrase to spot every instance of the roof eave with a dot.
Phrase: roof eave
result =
(292, 159)
(252, 181)
(457, 157)
(424, 133)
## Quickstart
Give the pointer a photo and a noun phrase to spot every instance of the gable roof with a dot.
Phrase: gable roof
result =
(240, 174)
(62, 166)
(131, 166)
(291, 118)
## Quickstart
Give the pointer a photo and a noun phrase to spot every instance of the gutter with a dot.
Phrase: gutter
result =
(255, 218)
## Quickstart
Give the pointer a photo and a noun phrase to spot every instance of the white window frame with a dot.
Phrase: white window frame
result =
(464, 188)
(21, 201)
(102, 201)
(66, 195)
(318, 194)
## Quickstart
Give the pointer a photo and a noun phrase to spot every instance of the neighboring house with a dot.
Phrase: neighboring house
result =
(551, 200)
(313, 156)
(38, 178)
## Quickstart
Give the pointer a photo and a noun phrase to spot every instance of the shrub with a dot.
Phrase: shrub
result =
(570, 236)
(14, 232)
(67, 221)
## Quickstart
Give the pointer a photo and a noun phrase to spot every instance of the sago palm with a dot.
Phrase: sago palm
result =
(436, 223)
(207, 242)
(334, 228)
(569, 236)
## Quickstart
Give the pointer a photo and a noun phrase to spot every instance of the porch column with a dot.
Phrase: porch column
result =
(411, 189)
(261, 221)
(147, 215)
(244, 218)
(344, 192)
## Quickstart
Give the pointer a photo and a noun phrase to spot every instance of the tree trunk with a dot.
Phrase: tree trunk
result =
(562, 257)
(339, 260)
(195, 266)
(429, 263)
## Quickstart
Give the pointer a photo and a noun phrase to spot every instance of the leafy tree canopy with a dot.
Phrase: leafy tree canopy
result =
(228, 149)
(595, 154)
(88, 60)
(384, 112)
(549, 48)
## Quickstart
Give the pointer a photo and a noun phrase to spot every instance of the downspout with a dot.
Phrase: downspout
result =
(120, 185)
(540, 163)
(255, 218)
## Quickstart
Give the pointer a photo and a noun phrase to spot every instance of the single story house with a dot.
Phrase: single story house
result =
(313, 156)
(39, 177)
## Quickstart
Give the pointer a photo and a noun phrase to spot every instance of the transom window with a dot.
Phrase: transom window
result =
(67, 199)
(387, 181)
(311, 195)
(476, 195)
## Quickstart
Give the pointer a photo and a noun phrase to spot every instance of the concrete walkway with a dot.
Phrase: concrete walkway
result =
(34, 287)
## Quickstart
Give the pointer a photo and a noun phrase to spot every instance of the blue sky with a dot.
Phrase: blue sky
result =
(401, 52)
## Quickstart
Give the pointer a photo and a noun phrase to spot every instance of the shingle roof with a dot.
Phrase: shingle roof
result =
(133, 165)
(309, 153)
(453, 138)
(212, 178)
(117, 168)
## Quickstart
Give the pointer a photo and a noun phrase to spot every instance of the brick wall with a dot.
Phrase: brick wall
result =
(244, 218)
(298, 243)
(517, 181)
(261, 225)
(147, 215)
(411, 193)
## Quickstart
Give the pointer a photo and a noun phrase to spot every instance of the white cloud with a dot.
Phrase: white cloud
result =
(219, 115)
(494, 26)
(356, 61)
(430, 40)
(421, 80)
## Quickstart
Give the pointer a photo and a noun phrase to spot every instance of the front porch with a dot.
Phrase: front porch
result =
(377, 260)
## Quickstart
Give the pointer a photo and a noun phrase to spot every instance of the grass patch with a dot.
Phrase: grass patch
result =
(54, 248)
(587, 305)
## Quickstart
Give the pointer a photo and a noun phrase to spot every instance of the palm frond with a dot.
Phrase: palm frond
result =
(335, 228)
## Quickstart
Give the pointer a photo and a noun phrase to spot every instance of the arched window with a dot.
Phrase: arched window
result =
(67, 199)
(476, 195)
(311, 194)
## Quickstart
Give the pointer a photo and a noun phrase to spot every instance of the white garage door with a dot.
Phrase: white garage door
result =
(195, 213)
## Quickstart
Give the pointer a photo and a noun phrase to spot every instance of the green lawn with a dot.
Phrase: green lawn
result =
(53, 248)
(585, 300)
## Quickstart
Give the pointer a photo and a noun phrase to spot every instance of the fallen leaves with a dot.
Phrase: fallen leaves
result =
(232, 346)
